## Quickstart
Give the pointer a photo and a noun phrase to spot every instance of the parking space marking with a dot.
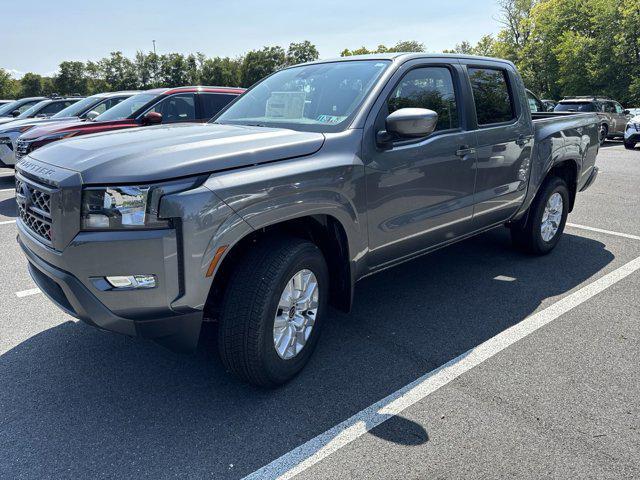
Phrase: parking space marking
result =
(600, 230)
(28, 293)
(320, 447)
(7, 189)
(7, 222)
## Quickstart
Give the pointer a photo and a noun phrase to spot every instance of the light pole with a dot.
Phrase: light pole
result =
(154, 46)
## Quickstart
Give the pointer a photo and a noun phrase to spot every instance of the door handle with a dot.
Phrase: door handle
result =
(523, 140)
(465, 150)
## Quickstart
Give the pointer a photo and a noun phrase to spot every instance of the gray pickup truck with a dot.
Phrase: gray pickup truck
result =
(319, 175)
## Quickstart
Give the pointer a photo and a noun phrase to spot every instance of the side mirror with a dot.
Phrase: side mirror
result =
(627, 112)
(152, 118)
(412, 122)
(91, 115)
(15, 113)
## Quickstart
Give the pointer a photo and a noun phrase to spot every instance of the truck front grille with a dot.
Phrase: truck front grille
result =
(22, 148)
(34, 207)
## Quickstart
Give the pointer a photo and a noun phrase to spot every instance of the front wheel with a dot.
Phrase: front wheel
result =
(629, 145)
(546, 219)
(272, 311)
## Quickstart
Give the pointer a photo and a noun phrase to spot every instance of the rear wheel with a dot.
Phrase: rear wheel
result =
(546, 219)
(272, 311)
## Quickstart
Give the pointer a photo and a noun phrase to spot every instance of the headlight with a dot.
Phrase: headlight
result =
(126, 207)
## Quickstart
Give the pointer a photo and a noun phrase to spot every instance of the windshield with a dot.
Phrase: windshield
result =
(317, 98)
(575, 107)
(30, 112)
(77, 108)
(126, 108)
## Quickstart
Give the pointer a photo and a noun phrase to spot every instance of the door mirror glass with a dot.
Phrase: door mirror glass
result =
(152, 118)
(92, 115)
(412, 122)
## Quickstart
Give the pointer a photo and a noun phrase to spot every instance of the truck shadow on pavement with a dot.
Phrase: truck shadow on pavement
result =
(8, 208)
(77, 402)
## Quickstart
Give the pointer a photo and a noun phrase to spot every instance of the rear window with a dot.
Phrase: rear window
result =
(491, 95)
(576, 107)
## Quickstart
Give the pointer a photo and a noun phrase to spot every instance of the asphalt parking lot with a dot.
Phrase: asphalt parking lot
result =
(522, 367)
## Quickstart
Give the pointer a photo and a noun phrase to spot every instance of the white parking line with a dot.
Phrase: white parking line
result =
(7, 190)
(7, 222)
(320, 447)
(600, 230)
(28, 293)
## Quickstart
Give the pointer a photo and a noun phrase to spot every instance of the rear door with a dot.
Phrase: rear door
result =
(504, 137)
(621, 118)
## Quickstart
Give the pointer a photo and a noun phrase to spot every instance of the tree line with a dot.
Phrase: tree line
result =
(561, 47)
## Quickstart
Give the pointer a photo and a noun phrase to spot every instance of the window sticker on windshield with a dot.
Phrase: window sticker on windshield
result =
(285, 105)
(330, 119)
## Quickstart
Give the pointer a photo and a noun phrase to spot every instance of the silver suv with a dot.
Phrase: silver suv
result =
(614, 117)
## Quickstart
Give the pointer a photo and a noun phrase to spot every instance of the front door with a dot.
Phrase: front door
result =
(419, 191)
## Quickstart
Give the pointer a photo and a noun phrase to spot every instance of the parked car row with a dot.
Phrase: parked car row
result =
(318, 176)
(613, 117)
(24, 133)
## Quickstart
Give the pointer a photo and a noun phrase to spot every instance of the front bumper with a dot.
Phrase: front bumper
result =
(143, 313)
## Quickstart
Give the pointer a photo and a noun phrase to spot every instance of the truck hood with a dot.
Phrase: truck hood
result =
(151, 154)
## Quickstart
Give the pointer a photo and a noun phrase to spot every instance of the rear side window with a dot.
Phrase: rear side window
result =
(212, 103)
(576, 107)
(491, 95)
(427, 87)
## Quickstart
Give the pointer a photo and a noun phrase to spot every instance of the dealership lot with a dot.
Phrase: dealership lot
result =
(560, 402)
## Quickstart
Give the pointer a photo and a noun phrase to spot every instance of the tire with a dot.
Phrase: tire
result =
(604, 132)
(528, 236)
(246, 331)
(629, 145)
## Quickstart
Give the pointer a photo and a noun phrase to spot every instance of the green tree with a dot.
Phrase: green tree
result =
(405, 46)
(257, 64)
(31, 85)
(71, 78)
(173, 70)
(118, 72)
(221, 71)
(301, 53)
(8, 85)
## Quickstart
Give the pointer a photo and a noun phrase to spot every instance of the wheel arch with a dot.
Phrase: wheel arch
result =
(324, 230)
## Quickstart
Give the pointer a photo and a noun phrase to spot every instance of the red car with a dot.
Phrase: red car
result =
(152, 107)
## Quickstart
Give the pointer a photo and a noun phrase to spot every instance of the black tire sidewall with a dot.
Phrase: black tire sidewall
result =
(556, 185)
(277, 369)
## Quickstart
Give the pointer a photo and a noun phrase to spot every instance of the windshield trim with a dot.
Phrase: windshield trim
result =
(342, 126)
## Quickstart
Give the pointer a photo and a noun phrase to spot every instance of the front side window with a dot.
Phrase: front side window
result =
(618, 108)
(176, 108)
(431, 88)
(319, 98)
(491, 95)
(76, 109)
(33, 110)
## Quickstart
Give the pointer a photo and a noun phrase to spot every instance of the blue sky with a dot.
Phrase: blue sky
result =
(38, 34)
